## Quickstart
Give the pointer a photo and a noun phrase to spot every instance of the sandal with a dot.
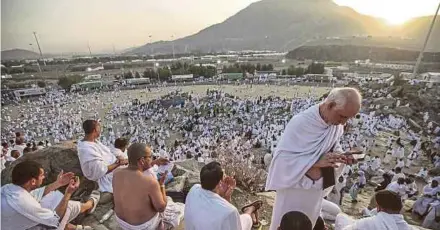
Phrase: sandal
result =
(81, 227)
(95, 196)
(257, 205)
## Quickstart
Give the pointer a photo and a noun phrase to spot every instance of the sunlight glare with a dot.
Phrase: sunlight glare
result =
(396, 19)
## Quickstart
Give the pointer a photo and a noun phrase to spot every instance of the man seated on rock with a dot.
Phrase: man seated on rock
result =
(15, 154)
(26, 206)
(97, 161)
(388, 215)
(208, 205)
(20, 145)
(139, 197)
(119, 150)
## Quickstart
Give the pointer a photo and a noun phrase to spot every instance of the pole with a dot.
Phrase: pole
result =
(173, 46)
(39, 48)
(90, 51)
(38, 64)
(419, 59)
(114, 51)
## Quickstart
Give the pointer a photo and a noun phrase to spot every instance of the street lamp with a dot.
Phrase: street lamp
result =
(156, 65)
(283, 61)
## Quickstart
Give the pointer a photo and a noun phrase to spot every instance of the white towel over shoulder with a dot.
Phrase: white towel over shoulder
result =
(27, 204)
(306, 138)
(95, 159)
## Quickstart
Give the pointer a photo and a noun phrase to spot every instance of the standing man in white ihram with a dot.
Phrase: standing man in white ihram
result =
(304, 161)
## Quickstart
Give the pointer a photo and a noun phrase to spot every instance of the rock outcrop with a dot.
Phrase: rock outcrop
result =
(65, 157)
(54, 160)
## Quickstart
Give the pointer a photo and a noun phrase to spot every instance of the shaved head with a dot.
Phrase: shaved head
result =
(340, 105)
(344, 96)
(136, 151)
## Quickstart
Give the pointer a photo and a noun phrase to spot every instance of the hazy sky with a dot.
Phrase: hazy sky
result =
(68, 25)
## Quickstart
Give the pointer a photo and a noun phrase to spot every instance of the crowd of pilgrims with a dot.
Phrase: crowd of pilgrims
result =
(195, 124)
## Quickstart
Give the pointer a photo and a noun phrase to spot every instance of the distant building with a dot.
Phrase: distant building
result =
(89, 69)
(430, 77)
(231, 76)
(396, 66)
(318, 77)
(182, 77)
(93, 77)
(30, 92)
(265, 75)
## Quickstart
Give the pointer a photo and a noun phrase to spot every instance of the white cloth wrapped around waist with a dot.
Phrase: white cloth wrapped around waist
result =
(152, 224)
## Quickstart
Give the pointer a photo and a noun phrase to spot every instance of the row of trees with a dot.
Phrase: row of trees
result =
(249, 68)
(179, 68)
(314, 68)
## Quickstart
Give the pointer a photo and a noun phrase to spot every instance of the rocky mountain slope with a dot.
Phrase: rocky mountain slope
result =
(287, 24)
(15, 54)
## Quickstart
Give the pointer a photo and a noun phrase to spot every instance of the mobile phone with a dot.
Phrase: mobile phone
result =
(353, 152)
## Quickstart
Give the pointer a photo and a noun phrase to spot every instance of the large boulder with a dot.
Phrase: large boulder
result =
(54, 159)
(191, 170)
(404, 111)
(383, 101)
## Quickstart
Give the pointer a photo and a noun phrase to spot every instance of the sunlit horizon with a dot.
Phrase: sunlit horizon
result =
(65, 26)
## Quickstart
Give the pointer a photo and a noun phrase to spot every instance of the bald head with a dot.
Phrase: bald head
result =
(136, 151)
(344, 96)
(340, 105)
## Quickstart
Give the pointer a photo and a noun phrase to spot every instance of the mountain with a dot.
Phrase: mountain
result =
(17, 54)
(353, 52)
(286, 24)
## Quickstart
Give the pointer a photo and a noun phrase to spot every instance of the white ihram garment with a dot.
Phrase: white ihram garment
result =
(382, 221)
(207, 210)
(95, 159)
(306, 139)
(24, 210)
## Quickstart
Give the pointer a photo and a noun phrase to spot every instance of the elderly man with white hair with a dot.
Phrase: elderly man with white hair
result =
(302, 169)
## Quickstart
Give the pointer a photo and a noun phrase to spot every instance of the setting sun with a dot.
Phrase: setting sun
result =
(395, 19)
(394, 12)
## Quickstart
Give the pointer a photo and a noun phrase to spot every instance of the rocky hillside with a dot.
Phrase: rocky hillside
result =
(340, 52)
(17, 54)
(287, 24)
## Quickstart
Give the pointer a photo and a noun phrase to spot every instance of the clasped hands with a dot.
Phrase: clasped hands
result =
(329, 160)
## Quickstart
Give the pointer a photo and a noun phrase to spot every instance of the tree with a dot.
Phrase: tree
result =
(258, 67)
(15, 70)
(284, 72)
(270, 67)
(41, 84)
(164, 74)
(128, 75)
(68, 81)
(315, 68)
(137, 75)
(4, 71)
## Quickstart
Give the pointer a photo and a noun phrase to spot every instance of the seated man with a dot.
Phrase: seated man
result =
(208, 205)
(15, 154)
(388, 215)
(398, 187)
(119, 150)
(295, 221)
(97, 162)
(421, 206)
(398, 174)
(139, 198)
(26, 206)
